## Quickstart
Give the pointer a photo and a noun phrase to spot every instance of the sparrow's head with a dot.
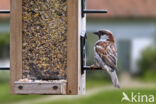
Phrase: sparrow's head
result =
(105, 34)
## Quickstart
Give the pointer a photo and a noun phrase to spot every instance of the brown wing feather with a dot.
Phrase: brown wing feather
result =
(107, 52)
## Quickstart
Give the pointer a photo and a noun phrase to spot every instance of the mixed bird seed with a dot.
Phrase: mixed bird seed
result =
(44, 40)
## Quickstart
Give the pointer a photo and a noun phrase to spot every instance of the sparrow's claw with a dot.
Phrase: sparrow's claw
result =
(94, 67)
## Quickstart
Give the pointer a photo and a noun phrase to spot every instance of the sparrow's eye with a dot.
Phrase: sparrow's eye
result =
(102, 32)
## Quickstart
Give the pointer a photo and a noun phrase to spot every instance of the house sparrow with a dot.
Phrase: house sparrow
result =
(106, 54)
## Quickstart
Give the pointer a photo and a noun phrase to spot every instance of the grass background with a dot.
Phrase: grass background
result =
(107, 96)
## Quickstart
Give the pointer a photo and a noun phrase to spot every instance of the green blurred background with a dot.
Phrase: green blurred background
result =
(135, 34)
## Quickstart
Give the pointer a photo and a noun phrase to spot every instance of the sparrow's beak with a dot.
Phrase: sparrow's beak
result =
(97, 33)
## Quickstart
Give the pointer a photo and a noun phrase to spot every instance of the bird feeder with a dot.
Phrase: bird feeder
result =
(45, 50)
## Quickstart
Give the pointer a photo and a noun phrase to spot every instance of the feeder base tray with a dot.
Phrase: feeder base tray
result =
(52, 87)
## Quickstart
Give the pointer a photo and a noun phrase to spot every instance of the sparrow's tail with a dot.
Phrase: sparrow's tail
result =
(114, 78)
